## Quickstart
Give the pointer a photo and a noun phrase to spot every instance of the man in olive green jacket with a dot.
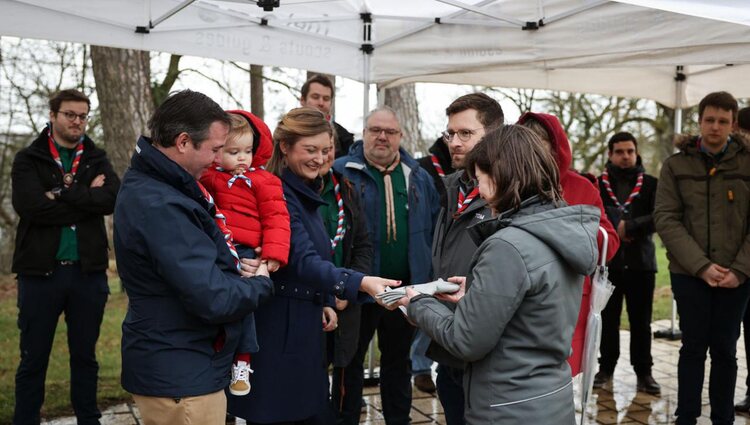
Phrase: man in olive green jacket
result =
(702, 215)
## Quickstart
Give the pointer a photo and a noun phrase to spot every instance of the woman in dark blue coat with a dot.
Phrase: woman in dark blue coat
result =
(290, 380)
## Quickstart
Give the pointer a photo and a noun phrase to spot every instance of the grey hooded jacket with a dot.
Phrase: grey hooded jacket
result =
(515, 324)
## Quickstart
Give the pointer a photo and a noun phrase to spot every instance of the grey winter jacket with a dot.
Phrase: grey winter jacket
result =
(515, 324)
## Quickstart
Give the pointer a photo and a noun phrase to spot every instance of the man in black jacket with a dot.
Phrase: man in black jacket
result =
(318, 93)
(628, 194)
(63, 186)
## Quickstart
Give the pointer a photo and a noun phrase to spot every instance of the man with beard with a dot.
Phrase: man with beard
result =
(628, 194)
(63, 186)
(470, 117)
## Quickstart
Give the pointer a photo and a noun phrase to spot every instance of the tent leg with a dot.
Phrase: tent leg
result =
(673, 333)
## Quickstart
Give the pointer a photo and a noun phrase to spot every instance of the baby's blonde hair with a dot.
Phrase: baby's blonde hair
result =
(240, 127)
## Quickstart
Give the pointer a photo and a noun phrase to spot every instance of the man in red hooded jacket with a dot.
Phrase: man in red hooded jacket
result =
(576, 190)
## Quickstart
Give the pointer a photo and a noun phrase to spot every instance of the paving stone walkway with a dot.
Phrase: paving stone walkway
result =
(618, 403)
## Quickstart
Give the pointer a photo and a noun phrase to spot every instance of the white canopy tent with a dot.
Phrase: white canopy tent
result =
(624, 47)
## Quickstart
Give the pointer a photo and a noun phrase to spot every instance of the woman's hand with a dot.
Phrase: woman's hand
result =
(456, 296)
(341, 304)
(330, 319)
(373, 285)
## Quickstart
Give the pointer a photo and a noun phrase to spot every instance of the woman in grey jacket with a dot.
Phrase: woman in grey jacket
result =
(516, 312)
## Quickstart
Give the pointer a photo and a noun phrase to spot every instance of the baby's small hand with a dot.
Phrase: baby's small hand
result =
(273, 265)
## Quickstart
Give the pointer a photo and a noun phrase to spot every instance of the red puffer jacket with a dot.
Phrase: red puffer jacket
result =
(256, 214)
(577, 190)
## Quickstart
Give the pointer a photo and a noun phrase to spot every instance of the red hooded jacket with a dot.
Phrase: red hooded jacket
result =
(577, 190)
(256, 214)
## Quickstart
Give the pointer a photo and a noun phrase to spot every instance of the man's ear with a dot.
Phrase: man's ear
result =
(182, 141)
(302, 101)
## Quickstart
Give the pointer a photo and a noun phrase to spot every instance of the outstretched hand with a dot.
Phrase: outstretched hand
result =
(373, 285)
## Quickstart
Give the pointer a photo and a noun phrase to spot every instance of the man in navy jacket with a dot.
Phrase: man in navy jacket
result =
(187, 292)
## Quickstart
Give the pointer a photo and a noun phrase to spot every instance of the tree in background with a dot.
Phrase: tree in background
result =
(403, 100)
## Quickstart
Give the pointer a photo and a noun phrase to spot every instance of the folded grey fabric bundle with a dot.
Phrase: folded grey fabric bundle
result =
(392, 295)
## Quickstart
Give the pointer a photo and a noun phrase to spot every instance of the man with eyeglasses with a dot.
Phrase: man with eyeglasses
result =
(470, 117)
(63, 186)
(401, 204)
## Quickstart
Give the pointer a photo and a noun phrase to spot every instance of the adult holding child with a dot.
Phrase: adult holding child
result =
(517, 310)
(290, 375)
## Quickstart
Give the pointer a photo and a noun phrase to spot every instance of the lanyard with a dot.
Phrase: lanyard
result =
(633, 194)
(67, 177)
(221, 221)
(436, 164)
(340, 229)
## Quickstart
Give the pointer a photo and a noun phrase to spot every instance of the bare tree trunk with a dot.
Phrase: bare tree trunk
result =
(403, 100)
(123, 86)
(256, 91)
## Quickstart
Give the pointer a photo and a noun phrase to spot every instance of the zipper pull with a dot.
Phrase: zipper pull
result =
(712, 171)
(730, 195)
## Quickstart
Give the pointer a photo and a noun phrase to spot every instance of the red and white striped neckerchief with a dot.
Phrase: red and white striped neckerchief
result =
(340, 229)
(636, 190)
(67, 177)
(240, 176)
(436, 164)
(464, 200)
(221, 221)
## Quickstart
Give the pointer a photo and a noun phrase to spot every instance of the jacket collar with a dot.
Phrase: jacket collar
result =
(357, 154)
(302, 188)
(149, 160)
(440, 149)
(488, 227)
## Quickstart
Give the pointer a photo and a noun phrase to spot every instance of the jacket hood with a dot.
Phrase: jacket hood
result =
(357, 152)
(262, 138)
(687, 142)
(440, 149)
(558, 138)
(569, 230)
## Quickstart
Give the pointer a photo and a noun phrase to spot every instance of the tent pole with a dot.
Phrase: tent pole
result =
(679, 79)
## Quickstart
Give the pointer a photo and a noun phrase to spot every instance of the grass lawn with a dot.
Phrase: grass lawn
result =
(57, 400)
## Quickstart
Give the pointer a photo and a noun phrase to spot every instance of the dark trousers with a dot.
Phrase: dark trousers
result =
(637, 289)
(450, 389)
(709, 320)
(394, 341)
(41, 299)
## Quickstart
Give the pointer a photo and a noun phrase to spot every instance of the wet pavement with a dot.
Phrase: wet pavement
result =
(618, 403)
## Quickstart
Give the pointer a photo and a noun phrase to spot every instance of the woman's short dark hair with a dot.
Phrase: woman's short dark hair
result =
(519, 164)
(69, 95)
(188, 112)
(294, 125)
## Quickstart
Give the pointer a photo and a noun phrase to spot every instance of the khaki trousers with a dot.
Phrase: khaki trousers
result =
(209, 409)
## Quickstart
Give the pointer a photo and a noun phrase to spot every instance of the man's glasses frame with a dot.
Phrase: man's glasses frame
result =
(464, 135)
(71, 116)
(389, 132)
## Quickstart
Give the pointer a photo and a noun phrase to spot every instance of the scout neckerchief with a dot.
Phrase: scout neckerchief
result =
(221, 221)
(340, 229)
(436, 164)
(636, 190)
(464, 200)
(238, 173)
(390, 211)
(69, 176)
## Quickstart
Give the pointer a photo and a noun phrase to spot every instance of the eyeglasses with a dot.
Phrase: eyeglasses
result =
(71, 116)
(389, 132)
(463, 135)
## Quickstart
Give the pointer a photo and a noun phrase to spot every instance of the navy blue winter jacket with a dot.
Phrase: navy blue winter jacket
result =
(184, 291)
(424, 206)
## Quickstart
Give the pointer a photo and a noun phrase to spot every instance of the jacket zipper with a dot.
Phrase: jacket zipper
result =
(708, 210)
(468, 388)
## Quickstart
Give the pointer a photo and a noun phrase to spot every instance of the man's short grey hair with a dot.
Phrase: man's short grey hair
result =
(382, 109)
